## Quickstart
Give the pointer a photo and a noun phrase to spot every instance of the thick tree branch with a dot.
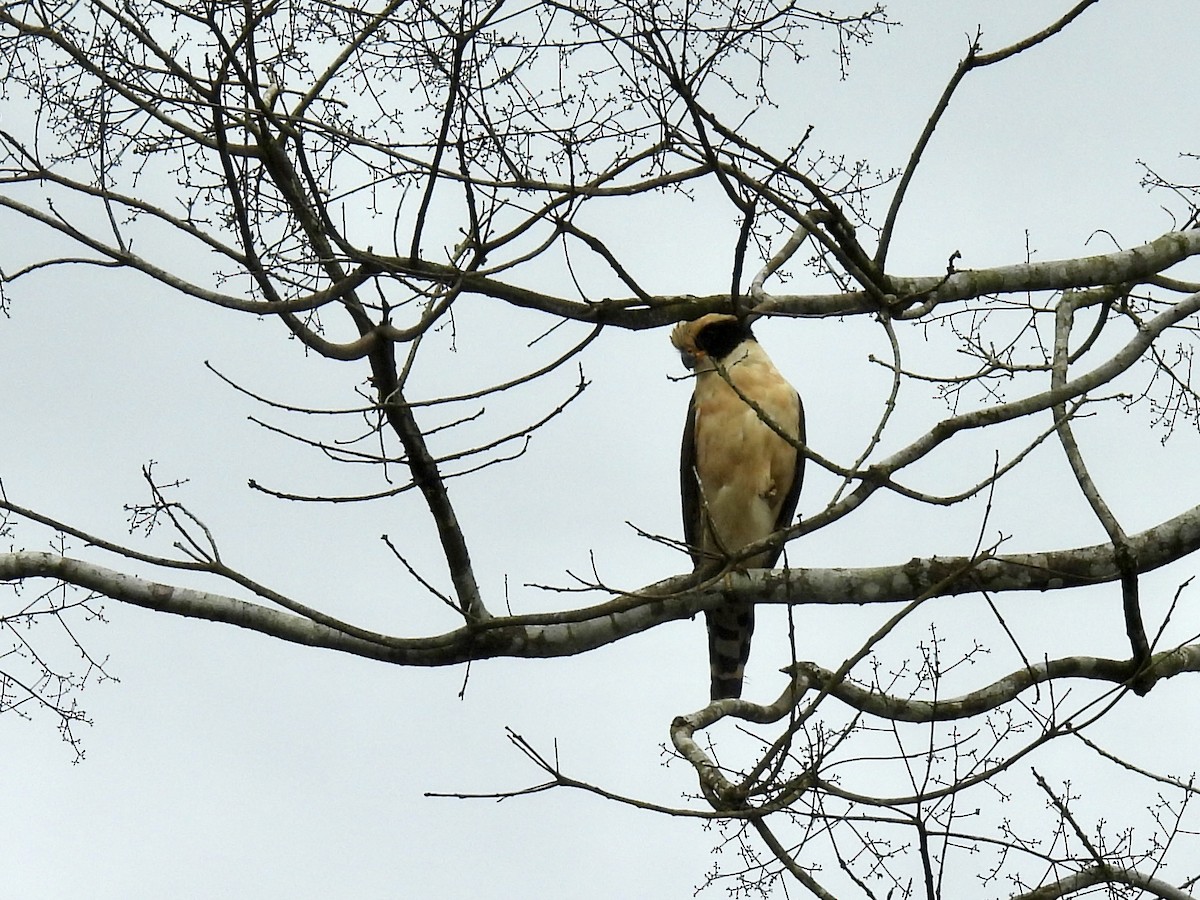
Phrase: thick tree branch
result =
(1134, 265)
(578, 631)
(1104, 874)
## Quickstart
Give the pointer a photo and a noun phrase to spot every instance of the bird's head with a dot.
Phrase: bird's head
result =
(708, 338)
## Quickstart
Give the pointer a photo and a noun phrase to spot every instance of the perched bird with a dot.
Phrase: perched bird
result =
(740, 479)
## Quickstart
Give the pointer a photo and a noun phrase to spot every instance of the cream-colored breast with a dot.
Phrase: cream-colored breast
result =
(745, 467)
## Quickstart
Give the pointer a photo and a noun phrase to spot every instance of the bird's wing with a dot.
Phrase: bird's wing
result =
(787, 512)
(689, 488)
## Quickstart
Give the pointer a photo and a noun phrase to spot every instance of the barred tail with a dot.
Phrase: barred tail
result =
(729, 631)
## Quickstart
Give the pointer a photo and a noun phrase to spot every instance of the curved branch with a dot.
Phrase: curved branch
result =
(1064, 319)
(495, 638)
(999, 692)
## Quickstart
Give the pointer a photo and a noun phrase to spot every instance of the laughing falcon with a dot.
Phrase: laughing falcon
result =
(740, 479)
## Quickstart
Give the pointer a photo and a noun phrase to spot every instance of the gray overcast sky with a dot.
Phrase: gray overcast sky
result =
(225, 764)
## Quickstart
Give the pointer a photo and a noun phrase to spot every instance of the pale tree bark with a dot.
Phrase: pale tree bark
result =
(577, 631)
